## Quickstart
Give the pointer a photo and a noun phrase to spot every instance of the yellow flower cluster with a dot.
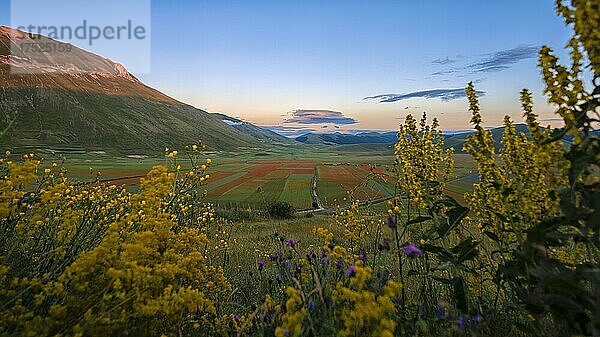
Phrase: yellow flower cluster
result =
(420, 158)
(108, 258)
(362, 312)
(514, 193)
(355, 225)
(295, 314)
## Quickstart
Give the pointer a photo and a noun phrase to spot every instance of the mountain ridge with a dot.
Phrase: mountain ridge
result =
(85, 101)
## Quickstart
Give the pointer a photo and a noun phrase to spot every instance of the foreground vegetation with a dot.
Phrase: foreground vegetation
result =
(521, 258)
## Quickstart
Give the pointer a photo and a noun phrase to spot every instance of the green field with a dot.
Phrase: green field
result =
(246, 179)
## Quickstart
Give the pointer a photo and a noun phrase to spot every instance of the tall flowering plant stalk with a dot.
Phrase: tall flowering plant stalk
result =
(424, 215)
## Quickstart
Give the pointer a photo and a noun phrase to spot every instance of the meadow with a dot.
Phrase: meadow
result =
(247, 182)
(499, 240)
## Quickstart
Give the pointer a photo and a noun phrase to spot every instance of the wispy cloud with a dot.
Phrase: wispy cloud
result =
(445, 61)
(492, 62)
(288, 131)
(444, 72)
(443, 94)
(504, 59)
(319, 117)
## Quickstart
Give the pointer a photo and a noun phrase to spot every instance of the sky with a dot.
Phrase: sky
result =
(326, 66)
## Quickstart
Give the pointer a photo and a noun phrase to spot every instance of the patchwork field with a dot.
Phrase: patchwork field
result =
(249, 182)
(336, 182)
(260, 182)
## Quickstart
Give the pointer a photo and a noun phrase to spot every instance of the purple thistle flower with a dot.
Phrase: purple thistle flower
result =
(478, 318)
(362, 256)
(439, 312)
(351, 271)
(275, 256)
(384, 245)
(461, 321)
(338, 263)
(291, 243)
(237, 317)
(312, 305)
(279, 278)
(392, 222)
(323, 257)
(261, 264)
(411, 250)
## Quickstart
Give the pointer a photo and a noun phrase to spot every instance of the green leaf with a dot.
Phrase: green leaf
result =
(419, 219)
(442, 253)
(454, 217)
(442, 280)
(460, 295)
(466, 250)
(492, 236)
(443, 266)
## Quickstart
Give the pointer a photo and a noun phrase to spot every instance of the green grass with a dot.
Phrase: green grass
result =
(278, 185)
(331, 193)
(297, 191)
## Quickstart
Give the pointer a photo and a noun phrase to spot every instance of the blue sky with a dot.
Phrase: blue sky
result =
(282, 63)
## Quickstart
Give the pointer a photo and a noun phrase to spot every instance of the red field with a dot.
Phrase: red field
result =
(263, 181)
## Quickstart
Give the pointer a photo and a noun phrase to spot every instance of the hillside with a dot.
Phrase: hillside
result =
(262, 134)
(339, 138)
(79, 100)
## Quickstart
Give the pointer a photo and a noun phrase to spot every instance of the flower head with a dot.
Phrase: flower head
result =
(384, 245)
(391, 222)
(291, 243)
(260, 264)
(411, 250)
(462, 321)
(362, 256)
(275, 256)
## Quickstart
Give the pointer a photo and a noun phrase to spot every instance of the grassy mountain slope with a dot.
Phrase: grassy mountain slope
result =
(81, 100)
(52, 118)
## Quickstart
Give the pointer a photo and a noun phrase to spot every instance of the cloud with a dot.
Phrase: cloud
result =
(504, 59)
(443, 94)
(288, 131)
(444, 72)
(492, 62)
(319, 117)
(445, 61)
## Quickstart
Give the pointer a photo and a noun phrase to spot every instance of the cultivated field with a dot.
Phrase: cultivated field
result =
(247, 182)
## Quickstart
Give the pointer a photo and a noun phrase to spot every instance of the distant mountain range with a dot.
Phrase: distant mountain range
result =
(451, 139)
(79, 100)
(339, 138)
